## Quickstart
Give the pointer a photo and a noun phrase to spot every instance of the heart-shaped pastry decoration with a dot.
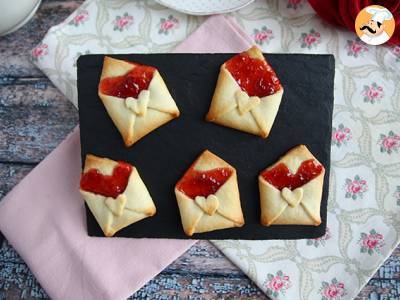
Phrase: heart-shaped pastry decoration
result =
(209, 205)
(116, 205)
(245, 103)
(139, 105)
(293, 198)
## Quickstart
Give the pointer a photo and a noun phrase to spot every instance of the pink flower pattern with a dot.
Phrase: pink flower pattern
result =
(371, 243)
(372, 93)
(294, 4)
(122, 22)
(355, 188)
(341, 135)
(39, 51)
(168, 25)
(311, 39)
(389, 143)
(333, 290)
(80, 18)
(396, 52)
(263, 35)
(316, 242)
(356, 48)
(277, 284)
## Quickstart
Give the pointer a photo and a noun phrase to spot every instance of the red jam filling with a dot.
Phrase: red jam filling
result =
(254, 76)
(107, 185)
(280, 176)
(130, 84)
(199, 183)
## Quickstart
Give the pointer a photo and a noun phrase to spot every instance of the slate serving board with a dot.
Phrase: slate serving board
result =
(162, 157)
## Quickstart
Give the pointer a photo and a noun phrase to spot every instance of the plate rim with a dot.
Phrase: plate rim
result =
(201, 13)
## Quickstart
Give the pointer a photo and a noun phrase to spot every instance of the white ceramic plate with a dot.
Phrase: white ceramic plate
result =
(205, 7)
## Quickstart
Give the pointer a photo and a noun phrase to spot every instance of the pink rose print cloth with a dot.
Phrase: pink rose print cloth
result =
(277, 284)
(389, 143)
(356, 48)
(372, 93)
(123, 22)
(333, 290)
(168, 25)
(371, 242)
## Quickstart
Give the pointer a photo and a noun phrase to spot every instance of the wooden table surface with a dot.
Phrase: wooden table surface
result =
(35, 117)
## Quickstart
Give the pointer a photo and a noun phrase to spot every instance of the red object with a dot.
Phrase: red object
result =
(107, 185)
(344, 12)
(198, 183)
(130, 84)
(281, 177)
(254, 76)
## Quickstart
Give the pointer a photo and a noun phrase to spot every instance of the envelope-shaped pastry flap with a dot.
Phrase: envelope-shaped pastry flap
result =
(122, 117)
(118, 199)
(269, 106)
(128, 91)
(215, 180)
(229, 200)
(119, 67)
(139, 198)
(230, 108)
(104, 165)
(116, 205)
(278, 210)
(145, 124)
(272, 205)
(216, 221)
(189, 211)
(161, 98)
(100, 211)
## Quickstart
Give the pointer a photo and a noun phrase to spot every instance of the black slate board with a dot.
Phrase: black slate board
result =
(162, 157)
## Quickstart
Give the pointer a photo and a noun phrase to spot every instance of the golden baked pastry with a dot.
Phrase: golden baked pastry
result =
(247, 95)
(208, 196)
(136, 98)
(115, 193)
(291, 189)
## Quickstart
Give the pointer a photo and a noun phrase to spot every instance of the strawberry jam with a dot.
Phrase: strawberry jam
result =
(254, 76)
(280, 176)
(199, 183)
(130, 84)
(107, 185)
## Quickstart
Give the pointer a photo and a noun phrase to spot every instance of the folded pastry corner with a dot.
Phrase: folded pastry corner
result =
(136, 98)
(208, 196)
(114, 193)
(291, 189)
(247, 95)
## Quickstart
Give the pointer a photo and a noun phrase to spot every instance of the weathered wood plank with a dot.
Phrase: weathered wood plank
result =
(15, 48)
(10, 175)
(34, 118)
(204, 258)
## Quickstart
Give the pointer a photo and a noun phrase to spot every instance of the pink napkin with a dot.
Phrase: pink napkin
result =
(43, 217)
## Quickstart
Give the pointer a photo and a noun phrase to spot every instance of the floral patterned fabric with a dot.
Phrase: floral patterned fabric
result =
(364, 200)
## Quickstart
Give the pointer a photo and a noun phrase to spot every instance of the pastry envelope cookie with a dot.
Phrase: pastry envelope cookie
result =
(291, 189)
(115, 193)
(136, 98)
(247, 95)
(208, 196)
